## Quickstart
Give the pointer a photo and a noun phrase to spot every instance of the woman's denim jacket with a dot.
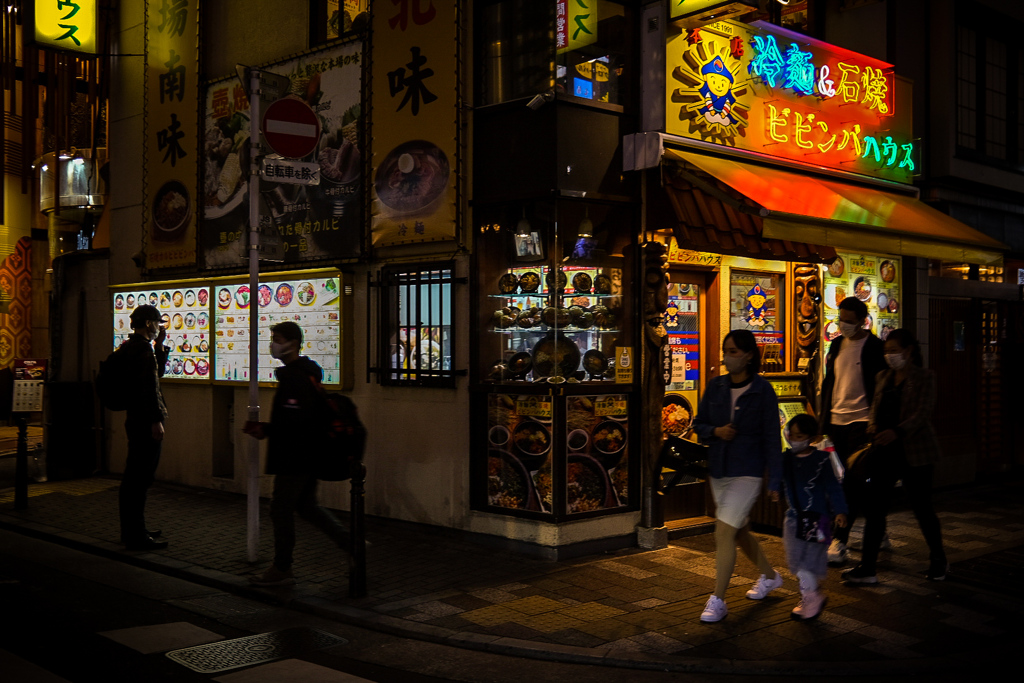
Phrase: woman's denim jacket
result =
(758, 443)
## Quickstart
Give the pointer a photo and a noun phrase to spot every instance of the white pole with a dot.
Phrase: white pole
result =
(253, 483)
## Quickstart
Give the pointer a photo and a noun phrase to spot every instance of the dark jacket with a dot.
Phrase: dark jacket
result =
(145, 368)
(872, 361)
(758, 443)
(917, 401)
(815, 484)
(296, 430)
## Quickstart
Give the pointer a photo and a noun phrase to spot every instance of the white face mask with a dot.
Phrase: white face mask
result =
(736, 363)
(848, 329)
(798, 446)
(896, 361)
(278, 350)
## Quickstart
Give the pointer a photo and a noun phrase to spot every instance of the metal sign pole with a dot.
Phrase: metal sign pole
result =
(253, 483)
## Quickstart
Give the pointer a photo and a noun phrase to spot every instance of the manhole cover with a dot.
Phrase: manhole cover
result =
(264, 647)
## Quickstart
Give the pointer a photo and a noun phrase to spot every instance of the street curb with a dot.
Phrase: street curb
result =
(514, 647)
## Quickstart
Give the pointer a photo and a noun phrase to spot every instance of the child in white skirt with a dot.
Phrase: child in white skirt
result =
(814, 495)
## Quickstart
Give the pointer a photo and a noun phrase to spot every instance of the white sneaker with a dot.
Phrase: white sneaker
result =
(714, 611)
(764, 586)
(837, 552)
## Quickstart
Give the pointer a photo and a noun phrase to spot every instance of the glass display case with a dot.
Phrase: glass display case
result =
(552, 335)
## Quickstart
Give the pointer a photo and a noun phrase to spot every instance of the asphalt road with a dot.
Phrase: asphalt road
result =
(57, 602)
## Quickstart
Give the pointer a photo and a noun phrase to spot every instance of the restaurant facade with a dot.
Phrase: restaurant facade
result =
(532, 228)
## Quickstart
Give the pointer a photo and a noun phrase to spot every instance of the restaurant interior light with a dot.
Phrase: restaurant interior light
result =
(523, 226)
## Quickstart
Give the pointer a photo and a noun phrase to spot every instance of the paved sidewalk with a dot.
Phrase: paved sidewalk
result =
(630, 608)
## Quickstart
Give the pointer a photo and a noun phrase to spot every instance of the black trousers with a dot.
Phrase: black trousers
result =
(296, 494)
(139, 473)
(848, 439)
(917, 483)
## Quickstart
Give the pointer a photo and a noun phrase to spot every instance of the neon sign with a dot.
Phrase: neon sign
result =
(765, 89)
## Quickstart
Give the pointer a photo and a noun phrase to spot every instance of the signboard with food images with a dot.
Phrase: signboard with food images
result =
(185, 313)
(519, 452)
(171, 127)
(314, 221)
(873, 279)
(415, 121)
(597, 466)
(314, 303)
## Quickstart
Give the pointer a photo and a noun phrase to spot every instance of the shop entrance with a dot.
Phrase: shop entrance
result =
(690, 329)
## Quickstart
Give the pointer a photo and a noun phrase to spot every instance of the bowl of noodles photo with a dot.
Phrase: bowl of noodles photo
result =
(676, 415)
(172, 209)
(411, 178)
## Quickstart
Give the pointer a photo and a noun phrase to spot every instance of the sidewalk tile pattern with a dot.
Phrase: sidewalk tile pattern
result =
(627, 602)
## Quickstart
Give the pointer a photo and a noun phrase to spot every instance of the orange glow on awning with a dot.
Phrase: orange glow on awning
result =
(846, 216)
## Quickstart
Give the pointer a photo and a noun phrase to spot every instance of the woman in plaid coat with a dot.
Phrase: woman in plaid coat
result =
(907, 448)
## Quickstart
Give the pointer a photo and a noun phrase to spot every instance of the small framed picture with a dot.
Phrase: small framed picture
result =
(529, 247)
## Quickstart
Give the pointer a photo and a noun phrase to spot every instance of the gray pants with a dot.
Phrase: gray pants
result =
(296, 493)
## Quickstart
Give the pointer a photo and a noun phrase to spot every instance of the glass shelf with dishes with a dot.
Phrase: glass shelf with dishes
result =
(555, 325)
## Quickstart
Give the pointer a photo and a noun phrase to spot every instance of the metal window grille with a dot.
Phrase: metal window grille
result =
(417, 326)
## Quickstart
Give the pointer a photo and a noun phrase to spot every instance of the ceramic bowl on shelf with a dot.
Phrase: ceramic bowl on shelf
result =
(508, 283)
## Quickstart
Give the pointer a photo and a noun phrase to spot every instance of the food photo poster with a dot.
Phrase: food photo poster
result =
(208, 324)
(314, 221)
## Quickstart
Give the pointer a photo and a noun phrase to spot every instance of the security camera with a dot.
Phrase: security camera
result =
(538, 101)
(139, 259)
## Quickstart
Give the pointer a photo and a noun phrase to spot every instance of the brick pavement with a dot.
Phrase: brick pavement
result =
(633, 607)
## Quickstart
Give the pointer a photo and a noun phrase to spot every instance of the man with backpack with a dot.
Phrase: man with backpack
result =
(298, 437)
(139, 367)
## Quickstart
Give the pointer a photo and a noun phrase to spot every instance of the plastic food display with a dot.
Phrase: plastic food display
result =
(558, 318)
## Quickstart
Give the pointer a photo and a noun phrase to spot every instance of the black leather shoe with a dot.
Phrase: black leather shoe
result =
(146, 544)
(155, 533)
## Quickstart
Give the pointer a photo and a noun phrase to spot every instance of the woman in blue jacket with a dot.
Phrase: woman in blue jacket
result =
(738, 418)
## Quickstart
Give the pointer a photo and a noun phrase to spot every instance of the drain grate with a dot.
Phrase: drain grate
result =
(264, 647)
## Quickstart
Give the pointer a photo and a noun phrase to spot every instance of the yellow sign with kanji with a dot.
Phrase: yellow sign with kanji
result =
(172, 125)
(66, 25)
(575, 24)
(414, 127)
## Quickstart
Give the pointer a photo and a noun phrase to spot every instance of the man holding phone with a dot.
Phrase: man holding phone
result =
(146, 358)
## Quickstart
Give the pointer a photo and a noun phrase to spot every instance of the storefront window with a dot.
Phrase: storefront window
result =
(754, 305)
(552, 300)
(592, 41)
(330, 19)
(416, 330)
(872, 278)
(553, 327)
(588, 44)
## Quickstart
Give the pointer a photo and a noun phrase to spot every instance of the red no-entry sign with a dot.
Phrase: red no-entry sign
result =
(291, 128)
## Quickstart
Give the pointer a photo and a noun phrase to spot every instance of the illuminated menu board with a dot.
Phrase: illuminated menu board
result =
(872, 278)
(185, 313)
(312, 303)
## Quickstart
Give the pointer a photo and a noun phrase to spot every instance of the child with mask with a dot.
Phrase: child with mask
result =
(814, 496)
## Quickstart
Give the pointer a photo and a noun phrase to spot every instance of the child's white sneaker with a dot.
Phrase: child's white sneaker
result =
(837, 552)
(714, 610)
(811, 605)
(764, 586)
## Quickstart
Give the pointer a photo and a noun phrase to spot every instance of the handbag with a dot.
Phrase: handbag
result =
(859, 462)
(679, 458)
(811, 527)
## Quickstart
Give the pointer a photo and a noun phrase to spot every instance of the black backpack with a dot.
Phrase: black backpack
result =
(112, 381)
(345, 440)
